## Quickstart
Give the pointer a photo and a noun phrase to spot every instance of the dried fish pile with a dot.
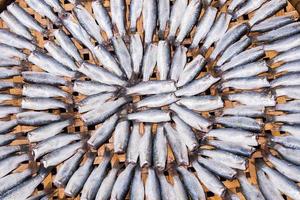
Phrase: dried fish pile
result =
(164, 110)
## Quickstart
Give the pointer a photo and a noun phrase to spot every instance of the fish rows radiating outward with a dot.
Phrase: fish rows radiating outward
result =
(182, 89)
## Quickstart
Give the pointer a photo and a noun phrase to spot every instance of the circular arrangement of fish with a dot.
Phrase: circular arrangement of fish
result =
(149, 100)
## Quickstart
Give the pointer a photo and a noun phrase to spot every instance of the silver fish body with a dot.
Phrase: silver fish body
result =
(55, 4)
(137, 191)
(202, 103)
(136, 7)
(149, 19)
(151, 116)
(118, 11)
(163, 59)
(151, 87)
(177, 13)
(7, 126)
(160, 149)
(149, 61)
(145, 147)
(102, 18)
(163, 16)
(178, 62)
(132, 152)
(287, 56)
(14, 40)
(136, 52)
(92, 87)
(121, 136)
(284, 44)
(247, 111)
(249, 190)
(248, 83)
(14, 179)
(291, 155)
(152, 189)
(42, 104)
(253, 98)
(156, 101)
(43, 90)
(248, 7)
(43, 78)
(33, 118)
(9, 164)
(246, 123)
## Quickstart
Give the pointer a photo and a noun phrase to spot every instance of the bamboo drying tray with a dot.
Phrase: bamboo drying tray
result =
(79, 126)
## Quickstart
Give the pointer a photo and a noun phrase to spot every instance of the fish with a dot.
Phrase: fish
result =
(287, 141)
(4, 85)
(217, 168)
(152, 187)
(191, 183)
(43, 195)
(244, 110)
(42, 104)
(7, 151)
(151, 87)
(206, 3)
(108, 182)
(10, 181)
(149, 61)
(177, 13)
(132, 152)
(286, 118)
(102, 17)
(55, 4)
(14, 40)
(9, 52)
(42, 8)
(209, 179)
(245, 57)
(246, 123)
(121, 135)
(185, 133)
(272, 23)
(150, 116)
(189, 19)
(25, 18)
(88, 22)
(268, 9)
(136, 7)
(179, 149)
(60, 55)
(216, 32)
(287, 56)
(292, 130)
(67, 169)
(89, 102)
(248, 83)
(197, 86)
(289, 154)
(235, 4)
(252, 98)
(9, 72)
(178, 62)
(231, 196)
(26, 188)
(58, 156)
(248, 7)
(53, 143)
(49, 64)
(160, 149)
(290, 106)
(204, 25)
(92, 184)
(123, 55)
(7, 126)
(43, 78)
(178, 186)
(191, 70)
(250, 191)
(80, 176)
(11, 163)
(145, 147)
(149, 20)
(233, 50)
(285, 80)
(103, 133)
(167, 191)
(163, 16)
(43, 91)
(92, 87)
(122, 184)
(284, 44)
(118, 12)
(163, 59)
(66, 44)
(137, 190)
(47, 131)
(201, 103)
(191, 118)
(230, 37)
(229, 159)
(9, 110)
(9, 62)
(5, 98)
(136, 52)
(101, 74)
(32, 118)
(287, 67)
(158, 100)
(15, 25)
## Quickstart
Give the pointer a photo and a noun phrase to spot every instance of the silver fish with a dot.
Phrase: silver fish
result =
(9, 72)
(118, 10)
(103, 133)
(287, 118)
(149, 61)
(121, 135)
(43, 78)
(287, 56)
(66, 43)
(122, 184)
(43, 9)
(267, 10)
(108, 182)
(88, 22)
(42, 104)
(8, 138)
(15, 25)
(6, 126)
(136, 52)
(246, 123)
(288, 67)
(244, 110)
(293, 130)
(94, 101)
(14, 40)
(151, 87)
(167, 191)
(145, 147)
(49, 64)
(178, 62)
(102, 18)
(284, 44)
(92, 87)
(250, 191)
(132, 153)
(234, 5)
(291, 155)
(290, 106)
(204, 25)
(189, 19)
(177, 13)
(209, 179)
(9, 110)
(25, 18)
(252, 98)
(156, 101)
(178, 186)
(53, 143)
(136, 7)
(149, 19)
(234, 50)
(191, 70)
(163, 59)
(60, 55)
(248, 83)
(151, 116)
(67, 169)
(287, 141)
(123, 55)
(137, 191)
(152, 189)
(43, 90)
(163, 16)
(9, 52)
(202, 103)
(160, 149)
(9, 62)
(193, 119)
(5, 98)
(9, 164)
(32, 118)
(79, 177)
(206, 3)
(55, 4)
(197, 86)
(13, 180)
(285, 80)
(231, 196)
(7, 85)
(248, 7)
(6, 151)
